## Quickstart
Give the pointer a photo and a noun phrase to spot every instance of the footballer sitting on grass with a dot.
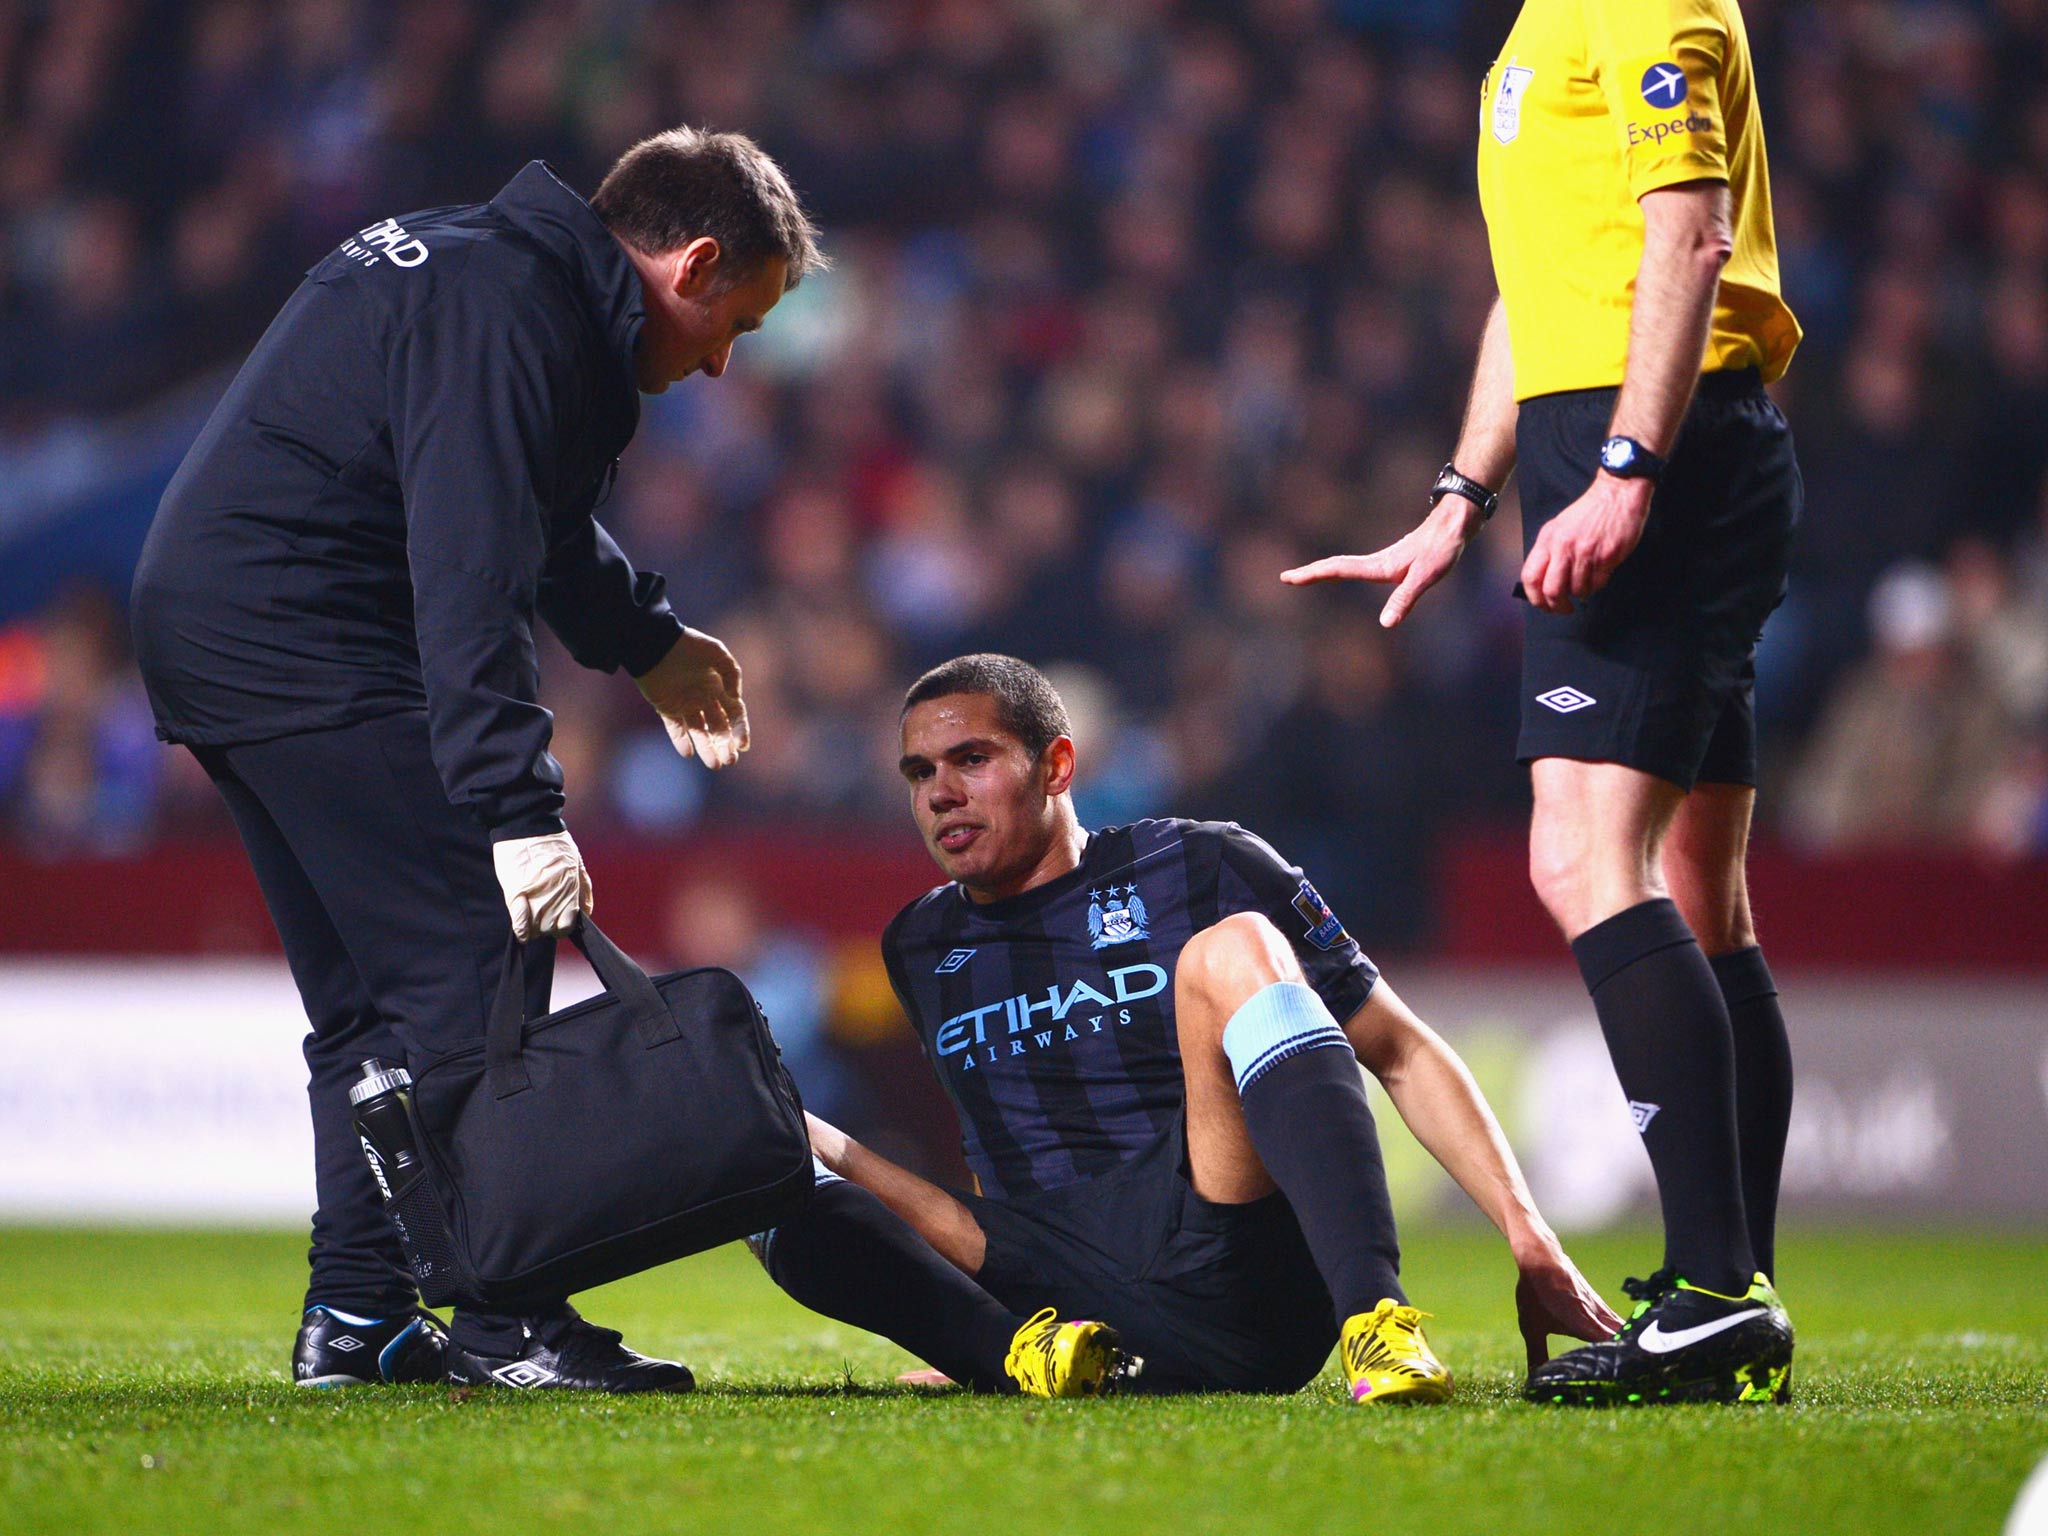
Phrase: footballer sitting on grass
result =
(1151, 1035)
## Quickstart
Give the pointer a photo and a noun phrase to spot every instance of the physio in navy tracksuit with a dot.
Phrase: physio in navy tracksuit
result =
(335, 611)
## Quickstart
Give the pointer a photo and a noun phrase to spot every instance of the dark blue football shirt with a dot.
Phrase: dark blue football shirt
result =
(1049, 1017)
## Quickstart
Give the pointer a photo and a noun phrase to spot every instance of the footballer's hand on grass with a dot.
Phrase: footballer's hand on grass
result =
(546, 887)
(1551, 1296)
(1578, 550)
(1416, 563)
(695, 689)
(926, 1378)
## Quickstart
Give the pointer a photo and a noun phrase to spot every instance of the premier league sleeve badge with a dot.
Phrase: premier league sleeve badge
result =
(1507, 102)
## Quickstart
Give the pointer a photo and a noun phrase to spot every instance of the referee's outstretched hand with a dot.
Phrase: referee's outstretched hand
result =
(1418, 562)
(695, 689)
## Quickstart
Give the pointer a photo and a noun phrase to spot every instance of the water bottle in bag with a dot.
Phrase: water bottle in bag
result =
(383, 1109)
(381, 1105)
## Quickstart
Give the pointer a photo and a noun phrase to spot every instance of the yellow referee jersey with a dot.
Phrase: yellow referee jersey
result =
(1591, 104)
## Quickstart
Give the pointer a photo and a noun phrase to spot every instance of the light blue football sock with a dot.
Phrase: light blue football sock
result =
(1277, 1022)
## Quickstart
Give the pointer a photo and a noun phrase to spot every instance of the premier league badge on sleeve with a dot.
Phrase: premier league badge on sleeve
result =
(1116, 916)
(1507, 102)
(1324, 931)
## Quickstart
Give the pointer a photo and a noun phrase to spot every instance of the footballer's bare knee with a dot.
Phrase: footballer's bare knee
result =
(1219, 970)
(1224, 965)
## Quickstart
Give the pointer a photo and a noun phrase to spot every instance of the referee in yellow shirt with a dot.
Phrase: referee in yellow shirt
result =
(1621, 170)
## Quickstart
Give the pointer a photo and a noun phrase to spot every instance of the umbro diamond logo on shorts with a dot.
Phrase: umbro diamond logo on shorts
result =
(1565, 700)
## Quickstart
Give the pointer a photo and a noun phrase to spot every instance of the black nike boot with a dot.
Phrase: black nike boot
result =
(341, 1349)
(573, 1355)
(1680, 1345)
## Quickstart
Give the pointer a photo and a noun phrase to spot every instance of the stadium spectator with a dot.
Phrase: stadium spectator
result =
(79, 765)
(717, 921)
(2011, 821)
(1115, 291)
(1910, 746)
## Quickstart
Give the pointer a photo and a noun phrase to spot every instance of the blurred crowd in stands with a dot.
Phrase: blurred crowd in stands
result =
(1135, 303)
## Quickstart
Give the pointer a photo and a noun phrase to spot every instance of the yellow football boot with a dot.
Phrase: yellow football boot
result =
(1049, 1358)
(1388, 1359)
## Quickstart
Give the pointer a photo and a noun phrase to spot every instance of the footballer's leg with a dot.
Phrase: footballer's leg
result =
(1595, 859)
(1705, 863)
(894, 1254)
(1275, 1099)
(1706, 1326)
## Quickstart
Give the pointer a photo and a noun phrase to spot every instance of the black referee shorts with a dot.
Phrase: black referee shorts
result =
(1657, 671)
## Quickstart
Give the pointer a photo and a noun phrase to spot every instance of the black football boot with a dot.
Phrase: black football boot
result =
(1681, 1344)
(575, 1356)
(342, 1349)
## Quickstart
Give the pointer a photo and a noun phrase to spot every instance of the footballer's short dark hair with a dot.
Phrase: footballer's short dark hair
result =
(1028, 706)
(686, 183)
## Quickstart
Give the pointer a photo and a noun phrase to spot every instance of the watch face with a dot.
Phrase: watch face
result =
(1617, 453)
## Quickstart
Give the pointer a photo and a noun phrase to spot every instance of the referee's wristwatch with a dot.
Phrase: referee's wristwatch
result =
(1626, 459)
(1450, 483)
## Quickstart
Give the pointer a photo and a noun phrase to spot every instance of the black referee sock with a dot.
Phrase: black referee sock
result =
(1668, 1033)
(1305, 1106)
(850, 1257)
(1763, 1091)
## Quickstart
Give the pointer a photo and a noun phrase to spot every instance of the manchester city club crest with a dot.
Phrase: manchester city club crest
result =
(1116, 915)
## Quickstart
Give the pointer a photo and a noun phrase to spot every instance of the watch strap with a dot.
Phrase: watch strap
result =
(1450, 483)
(1637, 463)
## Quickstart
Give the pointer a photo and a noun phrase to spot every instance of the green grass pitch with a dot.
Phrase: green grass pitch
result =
(143, 1390)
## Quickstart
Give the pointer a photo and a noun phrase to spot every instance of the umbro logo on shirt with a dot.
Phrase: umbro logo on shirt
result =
(1565, 700)
(953, 961)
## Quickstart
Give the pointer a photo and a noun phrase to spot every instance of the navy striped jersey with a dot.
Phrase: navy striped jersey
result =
(1049, 1016)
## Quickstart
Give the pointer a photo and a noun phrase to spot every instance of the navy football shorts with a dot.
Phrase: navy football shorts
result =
(1216, 1298)
(1657, 670)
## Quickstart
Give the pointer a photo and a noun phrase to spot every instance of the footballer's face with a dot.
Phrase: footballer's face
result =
(990, 813)
(696, 310)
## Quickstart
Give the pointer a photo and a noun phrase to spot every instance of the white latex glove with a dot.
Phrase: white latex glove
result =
(544, 882)
(695, 689)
